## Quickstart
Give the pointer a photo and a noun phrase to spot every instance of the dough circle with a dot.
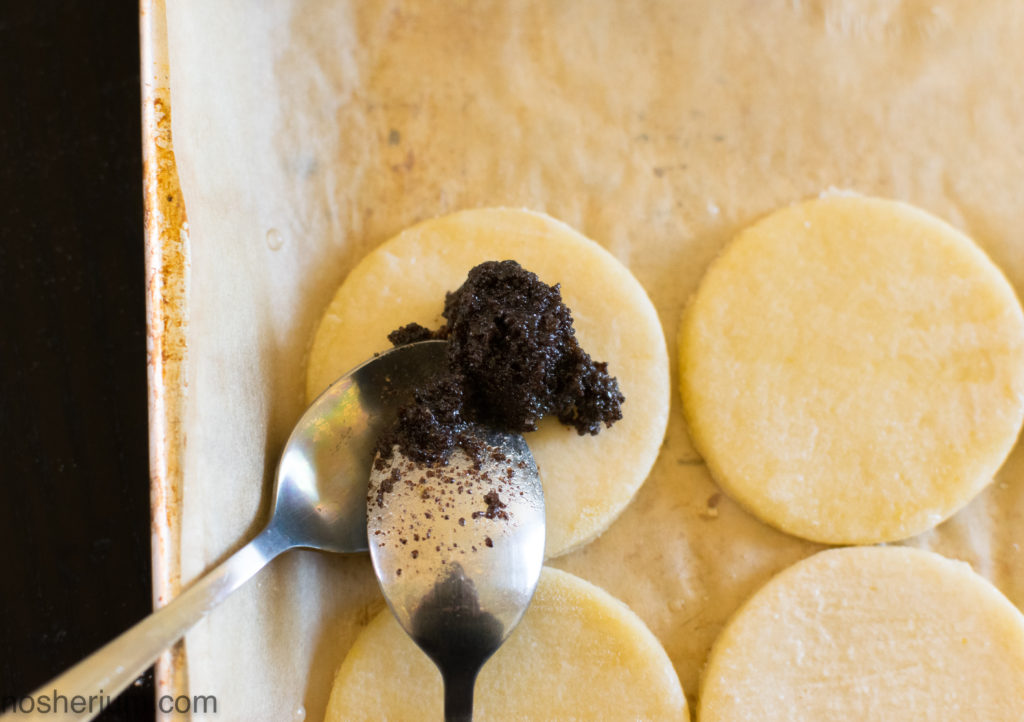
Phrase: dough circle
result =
(578, 654)
(869, 633)
(852, 369)
(588, 480)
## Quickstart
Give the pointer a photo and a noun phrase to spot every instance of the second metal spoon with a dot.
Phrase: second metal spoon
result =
(458, 549)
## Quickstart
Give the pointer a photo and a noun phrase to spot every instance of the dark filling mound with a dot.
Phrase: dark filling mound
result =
(513, 359)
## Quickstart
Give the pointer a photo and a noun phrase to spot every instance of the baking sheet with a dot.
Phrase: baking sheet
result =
(167, 266)
(308, 132)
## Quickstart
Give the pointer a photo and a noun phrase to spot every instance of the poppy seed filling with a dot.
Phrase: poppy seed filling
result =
(513, 358)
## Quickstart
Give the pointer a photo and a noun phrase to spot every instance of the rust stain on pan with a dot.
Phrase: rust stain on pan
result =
(167, 268)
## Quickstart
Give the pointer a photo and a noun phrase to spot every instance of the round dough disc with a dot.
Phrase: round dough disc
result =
(870, 633)
(588, 480)
(578, 653)
(852, 370)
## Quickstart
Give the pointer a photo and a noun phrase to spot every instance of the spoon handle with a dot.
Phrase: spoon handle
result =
(83, 691)
(458, 693)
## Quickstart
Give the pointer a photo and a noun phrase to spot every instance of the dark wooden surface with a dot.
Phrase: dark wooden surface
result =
(74, 497)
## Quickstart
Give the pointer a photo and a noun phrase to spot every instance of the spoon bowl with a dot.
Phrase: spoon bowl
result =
(458, 550)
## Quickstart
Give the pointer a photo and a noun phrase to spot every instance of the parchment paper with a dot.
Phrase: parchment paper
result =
(307, 132)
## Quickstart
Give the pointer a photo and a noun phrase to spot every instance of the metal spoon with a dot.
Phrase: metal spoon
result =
(319, 503)
(458, 550)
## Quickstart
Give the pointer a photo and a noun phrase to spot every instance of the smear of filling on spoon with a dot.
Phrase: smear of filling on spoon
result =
(429, 515)
(513, 358)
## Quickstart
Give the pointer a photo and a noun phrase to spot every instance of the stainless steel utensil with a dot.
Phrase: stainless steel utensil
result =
(319, 503)
(458, 552)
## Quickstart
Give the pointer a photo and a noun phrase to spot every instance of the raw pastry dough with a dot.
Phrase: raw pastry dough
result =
(588, 480)
(853, 369)
(578, 654)
(877, 633)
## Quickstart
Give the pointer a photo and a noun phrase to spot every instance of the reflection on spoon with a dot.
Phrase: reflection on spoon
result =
(450, 626)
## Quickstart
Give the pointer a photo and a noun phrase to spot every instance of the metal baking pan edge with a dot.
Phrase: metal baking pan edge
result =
(167, 272)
